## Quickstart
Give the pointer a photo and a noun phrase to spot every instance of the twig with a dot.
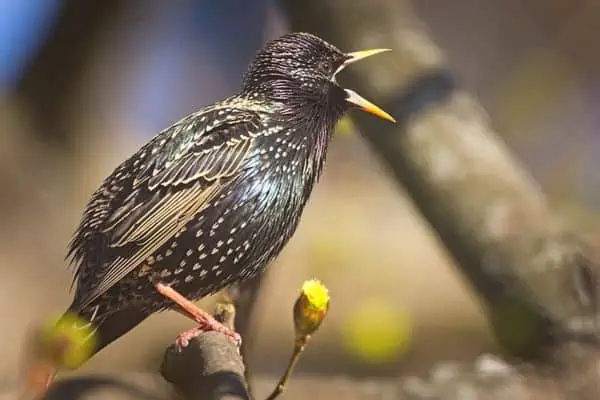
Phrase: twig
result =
(299, 347)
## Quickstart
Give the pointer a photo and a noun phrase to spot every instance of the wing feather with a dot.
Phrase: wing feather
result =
(171, 216)
(161, 196)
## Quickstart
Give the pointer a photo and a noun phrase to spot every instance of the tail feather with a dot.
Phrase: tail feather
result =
(109, 327)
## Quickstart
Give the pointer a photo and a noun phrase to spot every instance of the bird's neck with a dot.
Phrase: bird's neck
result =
(297, 101)
(310, 117)
(312, 130)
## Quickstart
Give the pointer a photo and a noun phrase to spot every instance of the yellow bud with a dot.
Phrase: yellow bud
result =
(67, 342)
(310, 308)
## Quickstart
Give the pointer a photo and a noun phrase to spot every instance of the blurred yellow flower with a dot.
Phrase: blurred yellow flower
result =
(377, 332)
(310, 308)
(68, 341)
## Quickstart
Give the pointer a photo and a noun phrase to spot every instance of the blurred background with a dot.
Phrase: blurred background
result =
(83, 84)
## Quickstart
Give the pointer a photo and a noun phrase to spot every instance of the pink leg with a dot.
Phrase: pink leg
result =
(205, 321)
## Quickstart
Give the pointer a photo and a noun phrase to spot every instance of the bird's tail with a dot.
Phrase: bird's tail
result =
(111, 326)
(106, 326)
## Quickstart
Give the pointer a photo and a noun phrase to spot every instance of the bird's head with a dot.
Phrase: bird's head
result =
(299, 70)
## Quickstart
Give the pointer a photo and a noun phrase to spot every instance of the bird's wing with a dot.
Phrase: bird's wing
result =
(175, 176)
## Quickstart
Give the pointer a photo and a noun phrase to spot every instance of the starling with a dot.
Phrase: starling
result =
(213, 199)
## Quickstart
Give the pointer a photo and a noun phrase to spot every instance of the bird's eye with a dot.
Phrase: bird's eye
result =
(325, 66)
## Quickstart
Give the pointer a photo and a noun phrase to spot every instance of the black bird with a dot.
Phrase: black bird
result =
(212, 199)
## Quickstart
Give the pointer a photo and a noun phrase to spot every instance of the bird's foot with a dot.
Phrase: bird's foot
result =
(205, 321)
(183, 339)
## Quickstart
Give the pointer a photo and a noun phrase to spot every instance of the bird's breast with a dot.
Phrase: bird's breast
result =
(277, 191)
(260, 209)
(248, 222)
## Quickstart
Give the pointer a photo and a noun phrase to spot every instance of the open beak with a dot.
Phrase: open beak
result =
(353, 97)
(366, 105)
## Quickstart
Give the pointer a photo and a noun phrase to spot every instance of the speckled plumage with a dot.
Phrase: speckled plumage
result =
(211, 200)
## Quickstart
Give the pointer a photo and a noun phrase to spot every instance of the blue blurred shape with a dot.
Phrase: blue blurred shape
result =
(228, 32)
(23, 25)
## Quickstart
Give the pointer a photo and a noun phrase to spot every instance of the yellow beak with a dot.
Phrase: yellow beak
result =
(359, 55)
(366, 105)
(355, 98)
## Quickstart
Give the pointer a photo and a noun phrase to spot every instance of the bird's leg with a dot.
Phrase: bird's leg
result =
(205, 321)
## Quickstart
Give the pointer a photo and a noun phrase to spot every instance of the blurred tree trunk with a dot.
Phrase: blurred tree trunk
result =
(536, 279)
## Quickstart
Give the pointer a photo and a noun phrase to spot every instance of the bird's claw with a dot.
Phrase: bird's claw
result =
(183, 339)
(236, 338)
